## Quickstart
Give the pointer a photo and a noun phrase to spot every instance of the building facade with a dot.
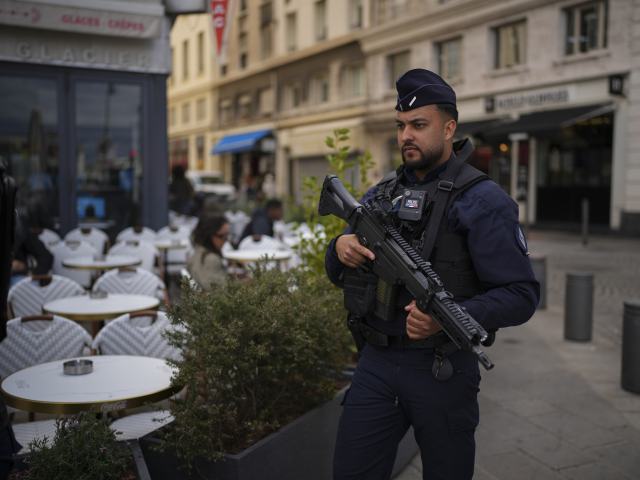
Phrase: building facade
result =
(83, 108)
(548, 90)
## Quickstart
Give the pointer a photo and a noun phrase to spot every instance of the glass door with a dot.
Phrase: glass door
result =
(107, 140)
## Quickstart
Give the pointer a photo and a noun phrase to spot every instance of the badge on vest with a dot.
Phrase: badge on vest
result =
(412, 205)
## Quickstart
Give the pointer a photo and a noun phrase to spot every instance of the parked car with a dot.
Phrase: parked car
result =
(209, 182)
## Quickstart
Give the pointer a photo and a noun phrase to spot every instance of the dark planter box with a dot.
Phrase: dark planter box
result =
(302, 449)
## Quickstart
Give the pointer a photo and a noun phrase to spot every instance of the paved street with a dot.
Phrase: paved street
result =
(553, 409)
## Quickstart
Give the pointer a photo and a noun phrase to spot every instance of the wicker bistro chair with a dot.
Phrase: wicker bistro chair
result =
(138, 333)
(49, 238)
(143, 250)
(29, 295)
(38, 339)
(136, 233)
(69, 249)
(131, 280)
(93, 236)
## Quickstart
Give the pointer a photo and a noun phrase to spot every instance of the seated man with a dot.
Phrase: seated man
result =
(262, 220)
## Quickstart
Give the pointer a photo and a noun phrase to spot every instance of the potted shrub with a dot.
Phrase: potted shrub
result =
(83, 448)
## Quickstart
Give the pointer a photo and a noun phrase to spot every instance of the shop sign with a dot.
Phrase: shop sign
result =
(531, 99)
(98, 53)
(80, 20)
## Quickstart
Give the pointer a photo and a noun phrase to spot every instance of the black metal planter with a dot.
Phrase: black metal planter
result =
(302, 449)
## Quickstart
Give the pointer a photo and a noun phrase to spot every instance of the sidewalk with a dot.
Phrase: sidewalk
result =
(553, 409)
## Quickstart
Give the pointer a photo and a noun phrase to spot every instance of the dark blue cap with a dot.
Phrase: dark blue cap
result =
(419, 87)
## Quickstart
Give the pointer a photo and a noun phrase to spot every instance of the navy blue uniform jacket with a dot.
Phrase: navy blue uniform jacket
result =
(488, 218)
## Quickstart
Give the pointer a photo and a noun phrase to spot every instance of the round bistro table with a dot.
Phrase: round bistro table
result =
(117, 382)
(87, 308)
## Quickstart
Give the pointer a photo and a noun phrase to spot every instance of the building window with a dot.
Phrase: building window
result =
(320, 17)
(226, 112)
(244, 103)
(353, 82)
(266, 30)
(201, 110)
(200, 53)
(397, 65)
(586, 27)
(292, 96)
(449, 54)
(319, 89)
(200, 152)
(356, 14)
(291, 31)
(223, 70)
(186, 112)
(179, 151)
(172, 116)
(242, 48)
(185, 59)
(511, 45)
(265, 100)
(172, 75)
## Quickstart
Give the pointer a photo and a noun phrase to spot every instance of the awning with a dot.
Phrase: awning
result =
(241, 142)
(547, 121)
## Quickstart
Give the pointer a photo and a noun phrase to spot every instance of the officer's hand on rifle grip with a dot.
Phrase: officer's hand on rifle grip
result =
(419, 324)
(351, 253)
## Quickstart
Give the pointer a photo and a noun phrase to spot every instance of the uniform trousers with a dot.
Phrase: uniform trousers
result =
(394, 388)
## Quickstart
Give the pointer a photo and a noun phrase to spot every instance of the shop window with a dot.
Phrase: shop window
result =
(320, 20)
(585, 27)
(449, 54)
(185, 59)
(397, 64)
(510, 45)
(291, 31)
(201, 111)
(356, 14)
(353, 82)
(200, 53)
(29, 140)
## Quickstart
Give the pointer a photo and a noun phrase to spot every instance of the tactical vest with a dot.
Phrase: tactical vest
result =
(445, 249)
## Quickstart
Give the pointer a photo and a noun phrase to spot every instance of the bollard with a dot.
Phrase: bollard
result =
(585, 221)
(631, 347)
(539, 266)
(578, 307)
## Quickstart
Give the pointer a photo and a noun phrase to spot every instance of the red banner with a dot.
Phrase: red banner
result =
(219, 14)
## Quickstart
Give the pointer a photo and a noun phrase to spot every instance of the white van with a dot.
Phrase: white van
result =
(210, 182)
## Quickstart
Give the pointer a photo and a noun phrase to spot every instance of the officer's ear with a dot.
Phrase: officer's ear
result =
(450, 126)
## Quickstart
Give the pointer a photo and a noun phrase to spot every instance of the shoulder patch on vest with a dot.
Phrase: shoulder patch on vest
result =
(521, 240)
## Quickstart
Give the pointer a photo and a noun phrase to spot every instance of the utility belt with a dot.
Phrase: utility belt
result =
(379, 339)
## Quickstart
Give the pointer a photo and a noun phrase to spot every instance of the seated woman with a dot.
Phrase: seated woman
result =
(205, 264)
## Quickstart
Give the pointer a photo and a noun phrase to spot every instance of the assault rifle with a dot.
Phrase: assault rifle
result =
(397, 262)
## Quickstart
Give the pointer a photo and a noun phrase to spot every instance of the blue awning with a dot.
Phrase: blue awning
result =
(242, 142)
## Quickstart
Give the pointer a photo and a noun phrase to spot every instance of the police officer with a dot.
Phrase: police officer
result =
(409, 374)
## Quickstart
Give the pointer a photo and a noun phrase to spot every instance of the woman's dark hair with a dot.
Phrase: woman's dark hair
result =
(207, 227)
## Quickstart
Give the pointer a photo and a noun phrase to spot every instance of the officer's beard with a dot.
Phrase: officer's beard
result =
(428, 159)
